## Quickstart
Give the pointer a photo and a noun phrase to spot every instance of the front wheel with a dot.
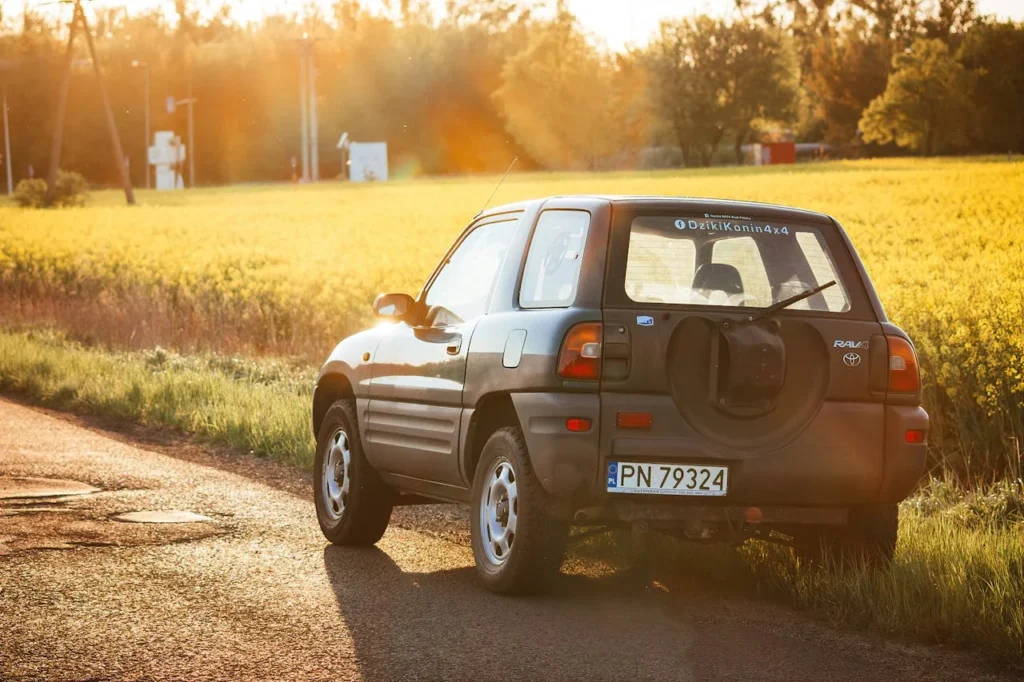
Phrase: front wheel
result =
(517, 543)
(353, 505)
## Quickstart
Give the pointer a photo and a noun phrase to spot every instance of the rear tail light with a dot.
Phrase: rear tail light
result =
(914, 436)
(903, 372)
(580, 358)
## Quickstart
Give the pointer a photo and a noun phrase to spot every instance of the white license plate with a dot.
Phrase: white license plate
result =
(667, 479)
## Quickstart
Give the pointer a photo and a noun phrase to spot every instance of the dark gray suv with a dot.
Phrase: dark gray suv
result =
(715, 370)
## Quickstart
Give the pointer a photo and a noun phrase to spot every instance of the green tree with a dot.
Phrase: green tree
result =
(926, 105)
(995, 53)
(843, 75)
(710, 78)
(686, 62)
(761, 80)
(555, 96)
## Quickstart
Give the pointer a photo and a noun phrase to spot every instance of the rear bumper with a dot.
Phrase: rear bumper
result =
(830, 465)
(668, 515)
(904, 462)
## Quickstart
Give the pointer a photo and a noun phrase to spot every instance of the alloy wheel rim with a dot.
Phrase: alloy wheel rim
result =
(335, 477)
(499, 512)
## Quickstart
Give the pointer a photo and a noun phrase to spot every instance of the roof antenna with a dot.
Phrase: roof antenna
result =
(486, 203)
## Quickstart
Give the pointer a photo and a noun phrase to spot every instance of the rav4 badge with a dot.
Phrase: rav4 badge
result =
(838, 343)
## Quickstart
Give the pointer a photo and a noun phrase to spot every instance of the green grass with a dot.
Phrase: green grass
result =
(262, 407)
(958, 576)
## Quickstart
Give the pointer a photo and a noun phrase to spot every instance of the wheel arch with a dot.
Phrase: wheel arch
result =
(492, 412)
(331, 388)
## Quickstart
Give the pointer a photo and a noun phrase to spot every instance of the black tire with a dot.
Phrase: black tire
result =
(869, 536)
(872, 531)
(366, 511)
(537, 546)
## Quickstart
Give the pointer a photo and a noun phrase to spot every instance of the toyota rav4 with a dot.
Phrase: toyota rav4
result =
(715, 370)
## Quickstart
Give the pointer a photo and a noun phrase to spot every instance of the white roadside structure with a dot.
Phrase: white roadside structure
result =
(167, 155)
(367, 161)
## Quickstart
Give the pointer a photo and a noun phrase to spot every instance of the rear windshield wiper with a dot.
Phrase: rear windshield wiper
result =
(785, 303)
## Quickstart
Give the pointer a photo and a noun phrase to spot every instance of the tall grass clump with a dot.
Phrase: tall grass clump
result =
(263, 407)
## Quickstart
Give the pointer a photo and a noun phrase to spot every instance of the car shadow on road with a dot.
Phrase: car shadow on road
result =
(442, 625)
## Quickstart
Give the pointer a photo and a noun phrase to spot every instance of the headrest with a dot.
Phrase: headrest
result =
(718, 277)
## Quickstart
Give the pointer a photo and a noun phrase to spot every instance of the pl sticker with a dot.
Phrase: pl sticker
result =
(645, 320)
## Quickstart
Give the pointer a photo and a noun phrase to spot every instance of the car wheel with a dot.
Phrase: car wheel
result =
(872, 531)
(869, 536)
(353, 505)
(517, 543)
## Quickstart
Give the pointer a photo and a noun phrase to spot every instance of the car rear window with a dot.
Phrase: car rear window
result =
(693, 260)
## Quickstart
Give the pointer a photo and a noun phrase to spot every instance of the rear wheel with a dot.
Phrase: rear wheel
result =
(870, 535)
(353, 505)
(517, 543)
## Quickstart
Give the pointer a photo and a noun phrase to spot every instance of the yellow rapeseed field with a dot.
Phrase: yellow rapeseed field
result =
(290, 270)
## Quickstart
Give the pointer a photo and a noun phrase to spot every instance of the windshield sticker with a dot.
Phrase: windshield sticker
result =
(729, 226)
(727, 216)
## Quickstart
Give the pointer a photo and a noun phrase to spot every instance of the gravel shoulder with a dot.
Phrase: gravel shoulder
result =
(256, 593)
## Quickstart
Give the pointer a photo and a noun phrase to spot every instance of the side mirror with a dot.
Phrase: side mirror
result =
(395, 307)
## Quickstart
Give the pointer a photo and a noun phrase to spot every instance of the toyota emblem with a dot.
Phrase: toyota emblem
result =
(851, 359)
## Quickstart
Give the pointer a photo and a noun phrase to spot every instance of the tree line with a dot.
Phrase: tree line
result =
(465, 91)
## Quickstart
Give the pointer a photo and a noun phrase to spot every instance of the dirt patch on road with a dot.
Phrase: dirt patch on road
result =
(52, 526)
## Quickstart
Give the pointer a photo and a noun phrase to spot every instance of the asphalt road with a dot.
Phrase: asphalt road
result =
(256, 593)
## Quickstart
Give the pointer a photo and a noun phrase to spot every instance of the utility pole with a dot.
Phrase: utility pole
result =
(78, 16)
(314, 133)
(7, 145)
(62, 108)
(115, 139)
(304, 106)
(145, 148)
(191, 135)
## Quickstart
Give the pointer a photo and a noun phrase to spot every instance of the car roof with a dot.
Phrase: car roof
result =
(705, 204)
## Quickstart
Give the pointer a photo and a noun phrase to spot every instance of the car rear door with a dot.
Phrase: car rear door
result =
(790, 402)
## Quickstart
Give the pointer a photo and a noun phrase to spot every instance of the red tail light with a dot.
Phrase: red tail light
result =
(914, 436)
(903, 373)
(580, 358)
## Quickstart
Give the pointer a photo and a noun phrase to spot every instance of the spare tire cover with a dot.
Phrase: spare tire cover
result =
(806, 382)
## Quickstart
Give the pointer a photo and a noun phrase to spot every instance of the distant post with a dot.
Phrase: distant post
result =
(310, 132)
(145, 65)
(314, 133)
(191, 136)
(304, 106)
(7, 145)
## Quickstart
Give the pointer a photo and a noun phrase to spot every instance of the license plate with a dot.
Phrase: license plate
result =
(667, 479)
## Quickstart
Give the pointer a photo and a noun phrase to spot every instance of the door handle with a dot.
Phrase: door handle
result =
(454, 347)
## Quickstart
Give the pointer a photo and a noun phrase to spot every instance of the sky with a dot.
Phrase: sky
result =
(615, 22)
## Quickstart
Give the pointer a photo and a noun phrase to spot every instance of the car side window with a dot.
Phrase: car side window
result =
(553, 264)
(463, 286)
